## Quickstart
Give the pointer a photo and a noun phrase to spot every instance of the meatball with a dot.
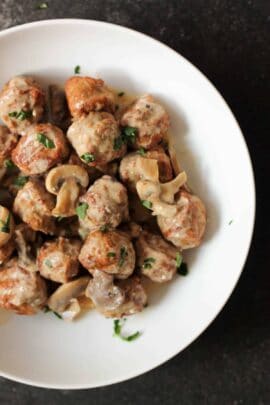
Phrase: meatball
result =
(21, 290)
(57, 260)
(22, 103)
(114, 300)
(156, 257)
(42, 147)
(86, 94)
(149, 118)
(94, 138)
(105, 202)
(186, 229)
(7, 143)
(164, 164)
(33, 204)
(6, 251)
(111, 252)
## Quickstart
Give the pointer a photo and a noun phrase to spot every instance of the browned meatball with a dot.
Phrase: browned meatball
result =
(42, 147)
(57, 260)
(34, 205)
(164, 164)
(106, 203)
(149, 118)
(186, 229)
(7, 143)
(156, 258)
(21, 103)
(94, 138)
(21, 290)
(86, 94)
(111, 252)
(6, 251)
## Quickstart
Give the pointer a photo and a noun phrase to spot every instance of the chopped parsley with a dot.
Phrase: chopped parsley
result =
(20, 115)
(147, 263)
(48, 263)
(117, 326)
(123, 255)
(118, 143)
(178, 259)
(231, 221)
(88, 157)
(111, 254)
(128, 135)
(183, 269)
(46, 309)
(120, 94)
(5, 226)
(104, 228)
(59, 219)
(44, 140)
(146, 204)
(77, 70)
(81, 210)
(141, 151)
(20, 181)
(8, 164)
(42, 6)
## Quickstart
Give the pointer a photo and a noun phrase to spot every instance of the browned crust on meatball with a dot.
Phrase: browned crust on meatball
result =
(8, 142)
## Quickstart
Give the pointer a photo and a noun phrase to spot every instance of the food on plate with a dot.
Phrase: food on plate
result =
(92, 200)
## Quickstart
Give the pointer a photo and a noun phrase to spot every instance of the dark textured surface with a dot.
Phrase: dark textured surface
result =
(229, 41)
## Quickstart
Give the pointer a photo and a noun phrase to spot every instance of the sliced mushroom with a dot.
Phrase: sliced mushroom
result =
(60, 300)
(65, 181)
(77, 307)
(6, 225)
(103, 292)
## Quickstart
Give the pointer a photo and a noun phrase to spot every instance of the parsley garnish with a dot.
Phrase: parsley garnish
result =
(5, 225)
(59, 219)
(128, 135)
(147, 262)
(104, 228)
(111, 254)
(183, 269)
(44, 140)
(88, 157)
(48, 263)
(231, 221)
(141, 151)
(118, 143)
(146, 204)
(46, 309)
(20, 181)
(123, 255)
(77, 70)
(178, 259)
(8, 164)
(42, 6)
(81, 210)
(20, 115)
(120, 94)
(118, 329)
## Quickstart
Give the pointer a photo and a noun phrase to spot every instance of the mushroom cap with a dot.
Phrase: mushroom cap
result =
(58, 175)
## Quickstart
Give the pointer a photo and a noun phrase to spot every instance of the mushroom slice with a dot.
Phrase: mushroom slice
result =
(60, 300)
(6, 225)
(168, 190)
(103, 292)
(64, 181)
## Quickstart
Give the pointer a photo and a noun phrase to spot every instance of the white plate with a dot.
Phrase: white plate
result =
(45, 351)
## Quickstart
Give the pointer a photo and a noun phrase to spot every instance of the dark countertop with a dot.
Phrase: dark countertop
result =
(229, 40)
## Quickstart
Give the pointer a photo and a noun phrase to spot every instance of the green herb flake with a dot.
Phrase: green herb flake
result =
(146, 204)
(104, 228)
(147, 263)
(44, 140)
(8, 164)
(129, 134)
(123, 255)
(178, 260)
(57, 315)
(120, 94)
(81, 210)
(48, 263)
(42, 6)
(88, 157)
(183, 269)
(111, 254)
(59, 219)
(118, 324)
(118, 143)
(20, 115)
(231, 221)
(141, 151)
(77, 70)
(20, 181)
(47, 309)
(5, 226)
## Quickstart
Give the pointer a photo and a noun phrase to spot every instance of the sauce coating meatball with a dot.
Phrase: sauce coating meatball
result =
(21, 290)
(8, 142)
(94, 138)
(156, 257)
(186, 229)
(57, 260)
(33, 204)
(86, 94)
(42, 147)
(149, 118)
(21, 103)
(111, 252)
(106, 202)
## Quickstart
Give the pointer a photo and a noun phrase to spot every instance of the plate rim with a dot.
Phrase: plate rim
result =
(144, 370)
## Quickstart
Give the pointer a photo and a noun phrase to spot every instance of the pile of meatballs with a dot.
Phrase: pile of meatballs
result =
(90, 201)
